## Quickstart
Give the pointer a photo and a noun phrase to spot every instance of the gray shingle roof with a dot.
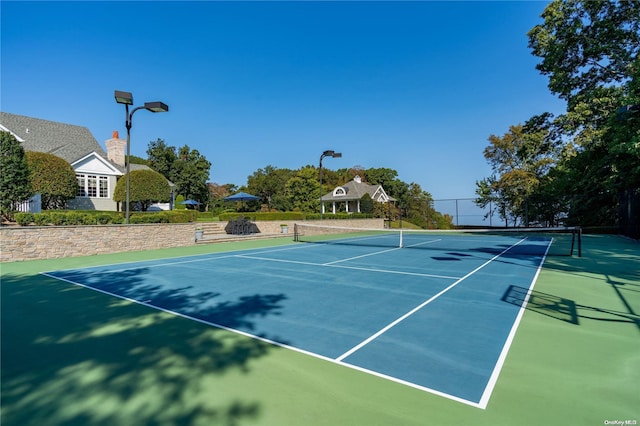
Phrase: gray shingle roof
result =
(354, 191)
(66, 141)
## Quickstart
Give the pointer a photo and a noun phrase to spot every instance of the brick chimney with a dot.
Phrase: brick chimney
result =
(116, 148)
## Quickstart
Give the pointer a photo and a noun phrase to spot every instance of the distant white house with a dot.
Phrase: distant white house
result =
(96, 171)
(351, 193)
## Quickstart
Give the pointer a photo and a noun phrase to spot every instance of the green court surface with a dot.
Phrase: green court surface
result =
(74, 356)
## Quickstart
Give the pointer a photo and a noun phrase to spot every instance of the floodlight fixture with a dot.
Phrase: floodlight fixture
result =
(327, 153)
(156, 107)
(124, 97)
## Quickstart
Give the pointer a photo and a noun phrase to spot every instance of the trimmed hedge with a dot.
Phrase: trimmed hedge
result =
(77, 217)
(80, 217)
(291, 216)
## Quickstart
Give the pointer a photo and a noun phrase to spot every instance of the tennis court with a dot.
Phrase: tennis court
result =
(76, 356)
(436, 318)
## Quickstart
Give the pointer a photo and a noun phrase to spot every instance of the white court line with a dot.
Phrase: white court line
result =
(329, 265)
(424, 242)
(201, 258)
(361, 256)
(422, 305)
(493, 379)
(269, 341)
(485, 397)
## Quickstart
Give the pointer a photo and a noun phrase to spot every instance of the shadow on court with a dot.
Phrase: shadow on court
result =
(78, 357)
(191, 299)
(564, 309)
(615, 262)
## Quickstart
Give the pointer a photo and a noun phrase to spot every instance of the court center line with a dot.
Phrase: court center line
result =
(424, 242)
(376, 253)
(422, 305)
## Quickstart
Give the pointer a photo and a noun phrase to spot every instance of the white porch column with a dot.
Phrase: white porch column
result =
(334, 207)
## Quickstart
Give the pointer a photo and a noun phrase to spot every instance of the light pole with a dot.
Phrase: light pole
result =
(328, 153)
(126, 98)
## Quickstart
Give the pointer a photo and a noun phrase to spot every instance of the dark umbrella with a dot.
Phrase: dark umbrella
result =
(241, 196)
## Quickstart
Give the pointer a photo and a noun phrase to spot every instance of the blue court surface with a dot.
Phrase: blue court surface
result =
(433, 318)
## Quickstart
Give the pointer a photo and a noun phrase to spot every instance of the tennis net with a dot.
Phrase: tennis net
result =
(561, 241)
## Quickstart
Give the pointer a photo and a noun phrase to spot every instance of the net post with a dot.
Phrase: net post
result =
(579, 241)
(573, 240)
(295, 232)
(400, 246)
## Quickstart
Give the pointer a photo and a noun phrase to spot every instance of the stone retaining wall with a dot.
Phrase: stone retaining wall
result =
(18, 243)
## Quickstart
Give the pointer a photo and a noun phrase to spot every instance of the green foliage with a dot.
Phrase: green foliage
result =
(138, 160)
(520, 160)
(572, 168)
(42, 219)
(270, 185)
(146, 187)
(161, 157)
(303, 190)
(142, 217)
(15, 186)
(586, 45)
(265, 216)
(185, 167)
(24, 219)
(330, 216)
(366, 204)
(179, 205)
(53, 178)
(90, 217)
(106, 218)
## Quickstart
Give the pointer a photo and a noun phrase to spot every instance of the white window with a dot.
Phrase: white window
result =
(93, 186)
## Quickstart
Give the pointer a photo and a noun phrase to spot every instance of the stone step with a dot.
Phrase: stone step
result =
(211, 228)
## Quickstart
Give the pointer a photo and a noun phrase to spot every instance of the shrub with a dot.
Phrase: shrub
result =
(41, 219)
(24, 219)
(53, 178)
(146, 187)
(58, 218)
(104, 218)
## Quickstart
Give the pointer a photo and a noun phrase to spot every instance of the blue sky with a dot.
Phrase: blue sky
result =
(413, 86)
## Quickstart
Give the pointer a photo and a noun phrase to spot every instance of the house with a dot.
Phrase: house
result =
(97, 171)
(350, 194)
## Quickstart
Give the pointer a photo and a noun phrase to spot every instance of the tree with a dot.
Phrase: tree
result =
(519, 160)
(217, 193)
(53, 178)
(269, 184)
(161, 157)
(186, 167)
(145, 187)
(586, 45)
(366, 204)
(388, 179)
(15, 186)
(190, 172)
(303, 190)
(589, 51)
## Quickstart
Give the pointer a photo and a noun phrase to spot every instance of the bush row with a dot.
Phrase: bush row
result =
(101, 218)
(291, 216)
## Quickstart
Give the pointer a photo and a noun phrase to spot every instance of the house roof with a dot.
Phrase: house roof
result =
(66, 141)
(354, 190)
